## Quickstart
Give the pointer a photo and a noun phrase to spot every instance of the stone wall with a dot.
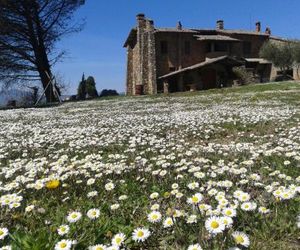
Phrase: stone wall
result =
(297, 73)
(176, 58)
(141, 66)
(129, 76)
(256, 43)
(151, 59)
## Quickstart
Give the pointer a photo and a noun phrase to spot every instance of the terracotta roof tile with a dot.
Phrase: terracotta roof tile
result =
(202, 64)
(216, 38)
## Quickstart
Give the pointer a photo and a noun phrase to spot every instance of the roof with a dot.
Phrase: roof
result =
(216, 31)
(131, 36)
(258, 60)
(233, 61)
(278, 39)
(175, 30)
(216, 38)
(219, 34)
(243, 32)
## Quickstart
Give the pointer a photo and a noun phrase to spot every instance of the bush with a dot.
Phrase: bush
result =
(108, 92)
(243, 76)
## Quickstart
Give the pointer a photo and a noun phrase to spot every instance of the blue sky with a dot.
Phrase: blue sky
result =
(98, 49)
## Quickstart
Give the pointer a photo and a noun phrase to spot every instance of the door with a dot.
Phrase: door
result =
(209, 78)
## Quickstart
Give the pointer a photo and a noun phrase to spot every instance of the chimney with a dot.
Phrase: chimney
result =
(220, 25)
(140, 16)
(258, 27)
(150, 24)
(141, 20)
(268, 31)
(179, 26)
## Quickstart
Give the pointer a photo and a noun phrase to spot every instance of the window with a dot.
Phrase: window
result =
(221, 47)
(209, 47)
(187, 47)
(217, 47)
(247, 48)
(164, 47)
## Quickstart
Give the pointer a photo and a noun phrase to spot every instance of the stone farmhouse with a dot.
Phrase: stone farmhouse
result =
(163, 60)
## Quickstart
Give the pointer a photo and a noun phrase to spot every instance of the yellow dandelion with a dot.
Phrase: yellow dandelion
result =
(53, 184)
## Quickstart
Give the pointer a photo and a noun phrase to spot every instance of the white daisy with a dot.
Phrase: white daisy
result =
(74, 216)
(241, 238)
(93, 213)
(195, 247)
(227, 221)
(140, 234)
(63, 245)
(123, 197)
(29, 208)
(191, 219)
(92, 194)
(154, 195)
(155, 207)
(114, 206)
(214, 225)
(154, 217)
(14, 205)
(3, 233)
(230, 212)
(263, 210)
(118, 239)
(168, 222)
(248, 206)
(193, 185)
(109, 186)
(98, 247)
(195, 199)
(8, 247)
(63, 229)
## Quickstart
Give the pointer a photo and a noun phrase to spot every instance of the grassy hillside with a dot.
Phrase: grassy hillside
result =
(206, 170)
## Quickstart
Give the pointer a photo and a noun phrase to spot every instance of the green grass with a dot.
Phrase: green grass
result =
(131, 141)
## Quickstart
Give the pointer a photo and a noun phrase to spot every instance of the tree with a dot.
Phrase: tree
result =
(108, 92)
(280, 54)
(29, 30)
(297, 52)
(91, 87)
(81, 91)
(297, 56)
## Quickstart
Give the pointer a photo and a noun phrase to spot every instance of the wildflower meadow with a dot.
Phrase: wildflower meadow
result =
(216, 169)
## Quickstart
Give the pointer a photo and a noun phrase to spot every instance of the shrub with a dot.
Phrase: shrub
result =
(243, 76)
(108, 92)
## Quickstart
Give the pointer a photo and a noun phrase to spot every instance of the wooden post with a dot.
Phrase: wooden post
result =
(180, 83)
(166, 87)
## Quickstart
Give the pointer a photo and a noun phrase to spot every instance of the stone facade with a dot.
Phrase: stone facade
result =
(141, 60)
(296, 72)
(153, 53)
